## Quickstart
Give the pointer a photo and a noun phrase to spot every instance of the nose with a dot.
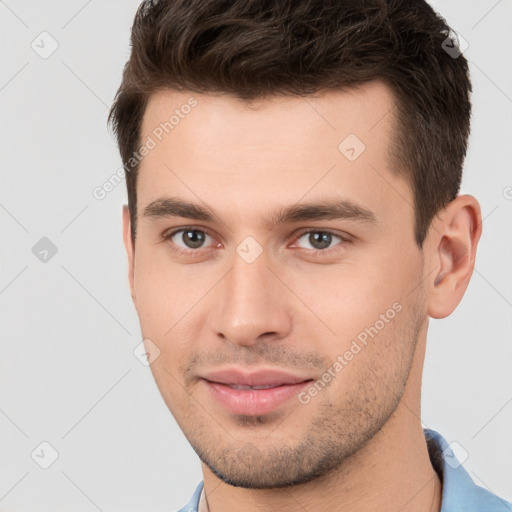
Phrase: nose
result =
(251, 304)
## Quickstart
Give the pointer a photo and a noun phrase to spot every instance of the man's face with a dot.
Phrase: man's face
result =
(287, 318)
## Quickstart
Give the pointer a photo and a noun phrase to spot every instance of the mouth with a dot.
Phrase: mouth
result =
(241, 386)
(255, 393)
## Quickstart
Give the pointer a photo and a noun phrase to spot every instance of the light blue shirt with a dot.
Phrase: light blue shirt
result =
(460, 493)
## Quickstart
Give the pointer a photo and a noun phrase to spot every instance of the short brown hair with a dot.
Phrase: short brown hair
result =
(254, 49)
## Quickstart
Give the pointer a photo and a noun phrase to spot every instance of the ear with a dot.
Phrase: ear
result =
(130, 250)
(451, 245)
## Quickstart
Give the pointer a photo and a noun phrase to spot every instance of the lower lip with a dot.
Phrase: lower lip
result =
(254, 402)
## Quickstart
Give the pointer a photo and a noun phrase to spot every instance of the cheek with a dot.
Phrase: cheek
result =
(164, 292)
(359, 296)
(172, 305)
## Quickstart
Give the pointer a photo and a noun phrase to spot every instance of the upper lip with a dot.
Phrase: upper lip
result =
(263, 377)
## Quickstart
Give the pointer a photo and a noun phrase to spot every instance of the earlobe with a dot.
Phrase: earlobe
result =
(454, 237)
(130, 250)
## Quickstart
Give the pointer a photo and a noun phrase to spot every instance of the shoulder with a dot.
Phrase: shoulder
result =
(460, 492)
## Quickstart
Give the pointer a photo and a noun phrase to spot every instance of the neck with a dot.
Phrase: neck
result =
(392, 472)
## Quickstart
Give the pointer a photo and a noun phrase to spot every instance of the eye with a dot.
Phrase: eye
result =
(319, 240)
(189, 238)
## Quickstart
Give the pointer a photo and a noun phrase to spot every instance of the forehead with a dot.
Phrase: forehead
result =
(359, 110)
(279, 149)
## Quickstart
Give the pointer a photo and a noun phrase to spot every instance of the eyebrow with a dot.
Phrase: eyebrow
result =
(322, 210)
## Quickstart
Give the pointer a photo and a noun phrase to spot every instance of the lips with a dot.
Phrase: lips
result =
(255, 393)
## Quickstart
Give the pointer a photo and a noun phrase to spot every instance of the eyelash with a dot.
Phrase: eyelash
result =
(312, 252)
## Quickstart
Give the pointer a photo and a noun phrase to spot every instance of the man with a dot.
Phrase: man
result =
(293, 221)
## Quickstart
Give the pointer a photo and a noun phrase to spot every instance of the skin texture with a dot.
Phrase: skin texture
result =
(358, 443)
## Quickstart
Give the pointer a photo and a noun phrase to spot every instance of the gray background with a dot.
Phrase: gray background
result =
(68, 373)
